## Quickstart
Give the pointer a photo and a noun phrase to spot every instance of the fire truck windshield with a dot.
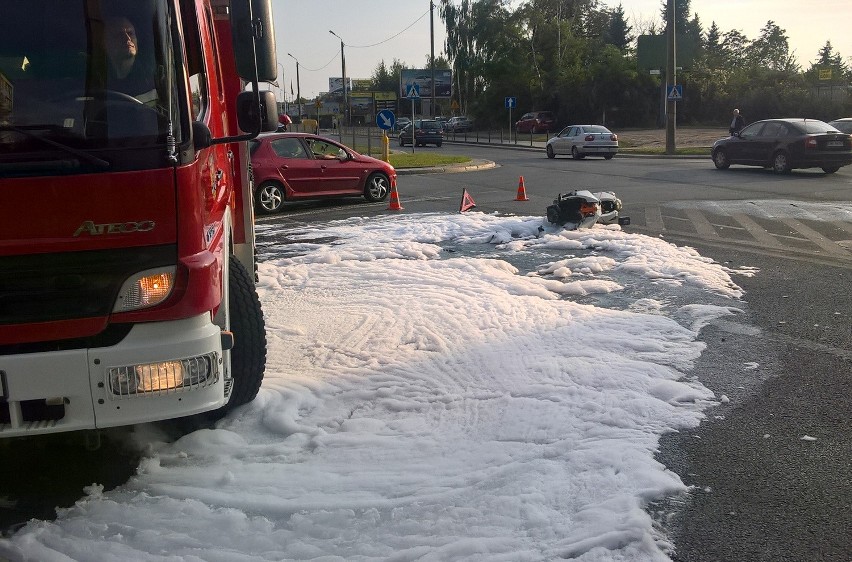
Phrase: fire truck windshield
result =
(85, 77)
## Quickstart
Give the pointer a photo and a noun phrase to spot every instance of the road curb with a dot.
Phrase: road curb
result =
(488, 164)
(450, 168)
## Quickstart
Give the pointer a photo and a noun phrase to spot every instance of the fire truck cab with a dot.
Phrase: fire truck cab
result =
(127, 284)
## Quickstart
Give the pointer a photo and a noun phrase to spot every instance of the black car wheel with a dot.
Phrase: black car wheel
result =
(608, 156)
(830, 169)
(270, 197)
(401, 142)
(438, 144)
(781, 163)
(720, 159)
(576, 153)
(377, 188)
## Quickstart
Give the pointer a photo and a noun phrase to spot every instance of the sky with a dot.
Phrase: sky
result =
(378, 30)
(443, 386)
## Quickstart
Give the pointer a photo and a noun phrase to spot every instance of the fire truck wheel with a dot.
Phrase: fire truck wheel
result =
(270, 197)
(248, 356)
(377, 188)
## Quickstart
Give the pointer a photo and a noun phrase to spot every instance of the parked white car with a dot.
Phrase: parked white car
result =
(583, 140)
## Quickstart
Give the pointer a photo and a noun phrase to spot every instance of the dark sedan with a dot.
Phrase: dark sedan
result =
(425, 131)
(785, 144)
(295, 166)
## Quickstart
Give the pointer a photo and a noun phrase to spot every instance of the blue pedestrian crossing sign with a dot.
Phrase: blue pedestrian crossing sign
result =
(412, 91)
(675, 92)
(511, 101)
(385, 119)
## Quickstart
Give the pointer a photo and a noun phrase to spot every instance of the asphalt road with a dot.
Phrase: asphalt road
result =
(770, 467)
(760, 491)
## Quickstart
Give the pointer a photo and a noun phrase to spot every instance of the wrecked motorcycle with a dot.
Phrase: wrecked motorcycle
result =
(583, 209)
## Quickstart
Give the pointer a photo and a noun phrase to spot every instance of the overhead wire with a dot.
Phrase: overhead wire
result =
(336, 55)
(391, 37)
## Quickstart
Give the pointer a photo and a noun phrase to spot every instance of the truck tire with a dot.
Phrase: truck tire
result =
(248, 357)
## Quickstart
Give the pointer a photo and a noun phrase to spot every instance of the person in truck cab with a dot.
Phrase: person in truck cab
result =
(125, 73)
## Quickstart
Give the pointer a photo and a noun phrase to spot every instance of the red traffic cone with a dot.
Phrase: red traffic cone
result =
(466, 202)
(394, 197)
(522, 191)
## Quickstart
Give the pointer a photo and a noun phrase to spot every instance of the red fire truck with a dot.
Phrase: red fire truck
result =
(127, 284)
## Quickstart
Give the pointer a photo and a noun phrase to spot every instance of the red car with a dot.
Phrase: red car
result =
(536, 122)
(296, 166)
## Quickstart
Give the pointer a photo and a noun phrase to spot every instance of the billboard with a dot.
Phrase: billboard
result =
(335, 85)
(361, 84)
(362, 102)
(652, 52)
(423, 78)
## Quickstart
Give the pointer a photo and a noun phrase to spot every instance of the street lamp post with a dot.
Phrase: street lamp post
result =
(343, 72)
(284, 96)
(298, 87)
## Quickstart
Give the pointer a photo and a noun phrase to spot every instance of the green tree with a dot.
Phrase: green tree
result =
(827, 59)
(386, 79)
(771, 50)
(686, 27)
(618, 33)
(441, 62)
(734, 46)
(714, 54)
(483, 44)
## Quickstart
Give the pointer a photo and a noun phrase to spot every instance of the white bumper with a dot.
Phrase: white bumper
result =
(78, 379)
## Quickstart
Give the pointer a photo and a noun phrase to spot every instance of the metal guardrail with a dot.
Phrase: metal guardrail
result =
(357, 134)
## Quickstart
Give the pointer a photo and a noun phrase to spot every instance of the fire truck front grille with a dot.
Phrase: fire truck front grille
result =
(71, 285)
(31, 411)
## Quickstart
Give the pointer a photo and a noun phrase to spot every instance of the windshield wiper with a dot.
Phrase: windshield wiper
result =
(28, 131)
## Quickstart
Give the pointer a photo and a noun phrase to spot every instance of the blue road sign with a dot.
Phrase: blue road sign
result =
(385, 119)
(674, 93)
(511, 101)
(412, 90)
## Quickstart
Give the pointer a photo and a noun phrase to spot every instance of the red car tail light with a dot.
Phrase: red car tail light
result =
(613, 137)
(590, 138)
(810, 142)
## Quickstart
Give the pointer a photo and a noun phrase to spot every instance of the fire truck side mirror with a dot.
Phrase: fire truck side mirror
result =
(247, 112)
(201, 136)
(254, 40)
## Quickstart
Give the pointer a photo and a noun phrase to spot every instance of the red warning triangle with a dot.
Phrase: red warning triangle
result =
(466, 202)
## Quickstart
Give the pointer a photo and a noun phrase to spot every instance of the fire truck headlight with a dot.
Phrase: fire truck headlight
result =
(146, 288)
(189, 373)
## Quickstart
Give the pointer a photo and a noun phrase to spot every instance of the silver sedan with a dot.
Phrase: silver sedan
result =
(583, 140)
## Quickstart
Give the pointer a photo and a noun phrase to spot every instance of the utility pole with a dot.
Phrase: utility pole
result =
(432, 44)
(343, 73)
(671, 79)
(298, 87)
